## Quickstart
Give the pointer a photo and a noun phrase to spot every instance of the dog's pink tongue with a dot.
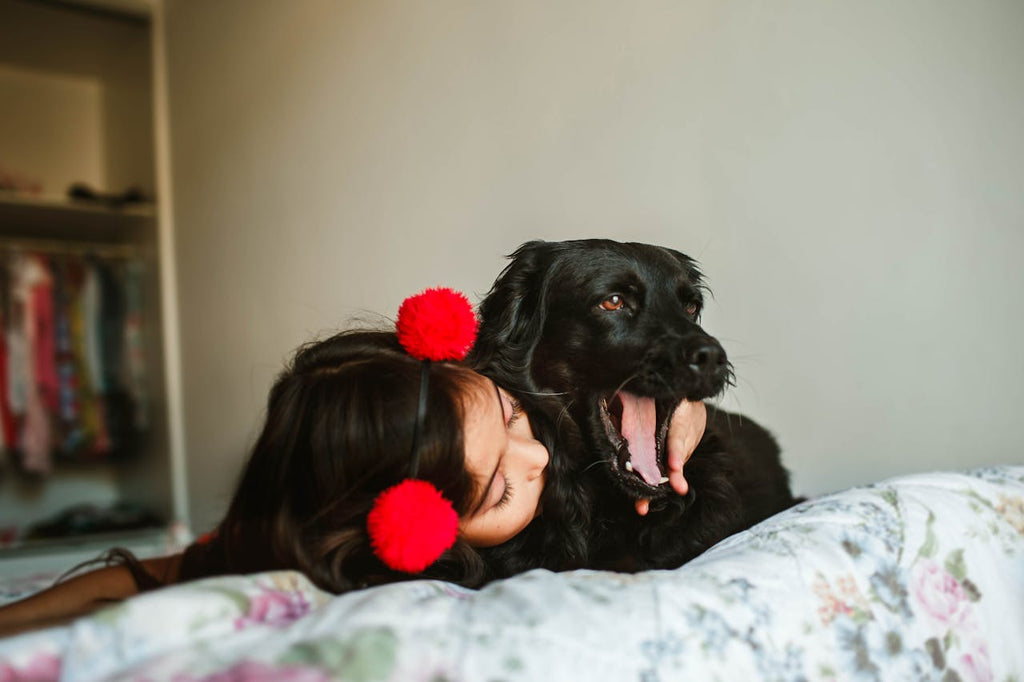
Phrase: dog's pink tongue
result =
(639, 423)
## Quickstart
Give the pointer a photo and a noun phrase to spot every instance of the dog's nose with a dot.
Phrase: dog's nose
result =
(707, 357)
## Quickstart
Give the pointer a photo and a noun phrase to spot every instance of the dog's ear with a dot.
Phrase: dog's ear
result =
(690, 266)
(693, 273)
(512, 315)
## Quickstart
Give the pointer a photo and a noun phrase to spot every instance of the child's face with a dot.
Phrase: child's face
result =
(506, 461)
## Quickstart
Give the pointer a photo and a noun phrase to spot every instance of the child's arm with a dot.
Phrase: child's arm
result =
(81, 595)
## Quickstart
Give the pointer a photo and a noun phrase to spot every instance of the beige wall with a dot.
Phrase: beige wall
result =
(850, 174)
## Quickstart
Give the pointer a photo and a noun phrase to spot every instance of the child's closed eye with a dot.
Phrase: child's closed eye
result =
(517, 410)
(506, 495)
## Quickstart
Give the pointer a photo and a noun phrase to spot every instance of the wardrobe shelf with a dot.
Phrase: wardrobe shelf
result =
(60, 218)
(65, 206)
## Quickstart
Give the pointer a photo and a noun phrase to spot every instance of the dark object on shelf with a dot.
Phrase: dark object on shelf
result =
(88, 519)
(82, 192)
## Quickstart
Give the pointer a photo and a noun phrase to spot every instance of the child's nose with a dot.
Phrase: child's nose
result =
(534, 457)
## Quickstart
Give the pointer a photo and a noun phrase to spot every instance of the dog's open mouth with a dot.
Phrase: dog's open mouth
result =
(637, 429)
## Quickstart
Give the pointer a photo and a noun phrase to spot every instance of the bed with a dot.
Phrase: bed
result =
(919, 577)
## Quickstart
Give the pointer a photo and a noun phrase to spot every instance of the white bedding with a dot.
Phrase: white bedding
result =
(915, 578)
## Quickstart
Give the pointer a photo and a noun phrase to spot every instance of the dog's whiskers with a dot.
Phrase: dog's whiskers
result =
(730, 374)
(729, 418)
(564, 413)
(624, 382)
(594, 464)
(660, 377)
(543, 394)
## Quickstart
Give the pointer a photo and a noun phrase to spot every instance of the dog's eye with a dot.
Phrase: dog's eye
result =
(613, 302)
(692, 309)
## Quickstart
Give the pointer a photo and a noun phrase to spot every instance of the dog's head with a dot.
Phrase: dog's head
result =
(613, 327)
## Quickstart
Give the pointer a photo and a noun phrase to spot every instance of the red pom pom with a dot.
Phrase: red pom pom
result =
(411, 525)
(438, 324)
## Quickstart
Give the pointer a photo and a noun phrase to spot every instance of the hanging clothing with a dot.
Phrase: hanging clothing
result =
(8, 432)
(31, 290)
(71, 437)
(134, 349)
(72, 362)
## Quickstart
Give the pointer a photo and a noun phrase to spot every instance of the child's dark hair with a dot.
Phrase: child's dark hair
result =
(338, 431)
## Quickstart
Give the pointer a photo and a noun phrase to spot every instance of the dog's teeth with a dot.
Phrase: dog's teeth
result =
(629, 465)
(664, 480)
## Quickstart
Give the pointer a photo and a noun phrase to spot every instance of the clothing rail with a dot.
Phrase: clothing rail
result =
(63, 247)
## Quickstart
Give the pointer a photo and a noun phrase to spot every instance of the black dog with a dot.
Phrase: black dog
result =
(611, 331)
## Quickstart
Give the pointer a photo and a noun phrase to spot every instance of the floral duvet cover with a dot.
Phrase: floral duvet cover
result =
(916, 578)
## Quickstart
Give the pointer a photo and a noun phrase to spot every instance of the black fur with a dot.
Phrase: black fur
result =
(574, 323)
